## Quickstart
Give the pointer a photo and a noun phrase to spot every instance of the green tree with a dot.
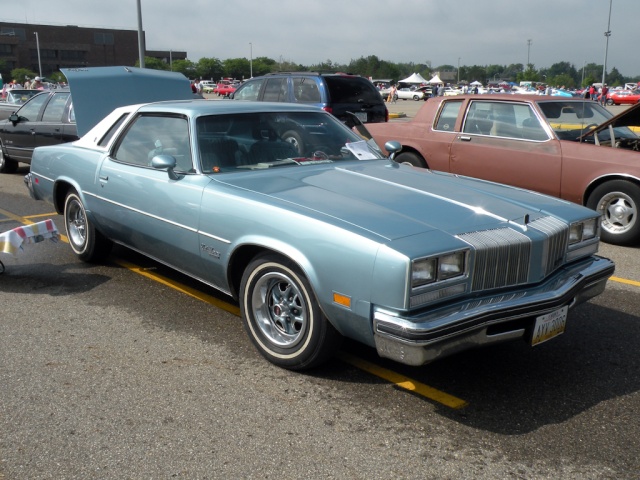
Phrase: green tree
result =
(21, 74)
(209, 69)
(185, 67)
(530, 74)
(153, 63)
(562, 80)
(236, 68)
(614, 77)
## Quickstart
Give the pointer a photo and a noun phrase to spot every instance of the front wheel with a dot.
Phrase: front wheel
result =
(416, 97)
(282, 317)
(618, 202)
(410, 158)
(6, 164)
(86, 242)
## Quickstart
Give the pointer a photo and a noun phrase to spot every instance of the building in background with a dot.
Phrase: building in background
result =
(70, 46)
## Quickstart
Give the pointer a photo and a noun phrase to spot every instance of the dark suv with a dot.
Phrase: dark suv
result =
(336, 93)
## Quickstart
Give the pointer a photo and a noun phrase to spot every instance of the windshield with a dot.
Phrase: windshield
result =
(571, 120)
(252, 141)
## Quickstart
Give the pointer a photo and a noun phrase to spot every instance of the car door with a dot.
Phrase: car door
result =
(56, 125)
(144, 207)
(19, 138)
(506, 142)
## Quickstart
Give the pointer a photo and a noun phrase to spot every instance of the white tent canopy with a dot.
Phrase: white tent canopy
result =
(435, 80)
(415, 78)
(476, 83)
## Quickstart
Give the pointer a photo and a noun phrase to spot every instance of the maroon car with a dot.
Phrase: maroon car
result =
(567, 147)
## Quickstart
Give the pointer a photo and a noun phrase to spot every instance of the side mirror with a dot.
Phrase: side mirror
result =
(392, 147)
(14, 118)
(167, 162)
(232, 95)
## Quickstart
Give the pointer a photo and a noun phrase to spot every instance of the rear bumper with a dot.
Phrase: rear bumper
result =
(419, 339)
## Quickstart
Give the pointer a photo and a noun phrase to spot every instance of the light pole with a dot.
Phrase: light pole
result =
(582, 81)
(38, 48)
(140, 37)
(458, 70)
(606, 48)
(529, 42)
(250, 60)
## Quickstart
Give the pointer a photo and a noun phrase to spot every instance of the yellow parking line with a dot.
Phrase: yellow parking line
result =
(624, 280)
(192, 292)
(405, 382)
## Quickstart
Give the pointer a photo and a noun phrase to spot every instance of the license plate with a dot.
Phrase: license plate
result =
(362, 116)
(549, 326)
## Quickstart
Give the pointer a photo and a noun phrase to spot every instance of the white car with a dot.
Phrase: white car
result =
(408, 94)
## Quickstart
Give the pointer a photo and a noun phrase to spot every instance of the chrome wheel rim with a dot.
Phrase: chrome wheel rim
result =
(619, 212)
(76, 224)
(280, 311)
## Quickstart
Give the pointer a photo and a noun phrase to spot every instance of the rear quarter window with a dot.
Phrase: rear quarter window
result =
(345, 89)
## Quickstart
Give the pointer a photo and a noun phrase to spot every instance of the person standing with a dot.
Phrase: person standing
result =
(603, 95)
(393, 91)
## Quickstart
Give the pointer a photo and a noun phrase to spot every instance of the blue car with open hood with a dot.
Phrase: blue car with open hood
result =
(317, 234)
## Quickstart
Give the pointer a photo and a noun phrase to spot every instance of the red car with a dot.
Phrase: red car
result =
(623, 97)
(570, 148)
(225, 89)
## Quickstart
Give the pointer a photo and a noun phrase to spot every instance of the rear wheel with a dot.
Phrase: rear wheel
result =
(282, 316)
(6, 164)
(410, 158)
(618, 202)
(87, 243)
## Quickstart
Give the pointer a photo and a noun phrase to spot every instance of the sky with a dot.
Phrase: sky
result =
(307, 32)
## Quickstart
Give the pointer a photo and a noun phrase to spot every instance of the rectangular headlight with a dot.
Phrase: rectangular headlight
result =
(575, 233)
(423, 272)
(590, 229)
(451, 265)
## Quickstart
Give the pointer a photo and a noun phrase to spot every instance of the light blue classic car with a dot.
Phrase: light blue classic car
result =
(318, 235)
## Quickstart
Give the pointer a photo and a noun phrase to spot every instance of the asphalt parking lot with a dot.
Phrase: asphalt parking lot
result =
(130, 370)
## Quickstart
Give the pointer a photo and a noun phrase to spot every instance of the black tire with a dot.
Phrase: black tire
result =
(416, 97)
(609, 101)
(282, 316)
(410, 158)
(295, 139)
(86, 242)
(6, 164)
(618, 201)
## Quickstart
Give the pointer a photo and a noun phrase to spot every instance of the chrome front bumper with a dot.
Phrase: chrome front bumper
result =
(424, 337)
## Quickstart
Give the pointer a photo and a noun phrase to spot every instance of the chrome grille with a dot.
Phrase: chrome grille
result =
(555, 246)
(502, 258)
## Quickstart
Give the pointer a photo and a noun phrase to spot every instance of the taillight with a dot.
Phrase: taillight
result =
(328, 109)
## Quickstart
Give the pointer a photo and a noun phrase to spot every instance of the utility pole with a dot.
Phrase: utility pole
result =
(606, 48)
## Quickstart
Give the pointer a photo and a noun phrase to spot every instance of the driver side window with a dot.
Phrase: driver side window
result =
(152, 135)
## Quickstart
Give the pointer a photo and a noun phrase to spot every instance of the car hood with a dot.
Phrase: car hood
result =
(395, 201)
(628, 118)
(97, 91)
